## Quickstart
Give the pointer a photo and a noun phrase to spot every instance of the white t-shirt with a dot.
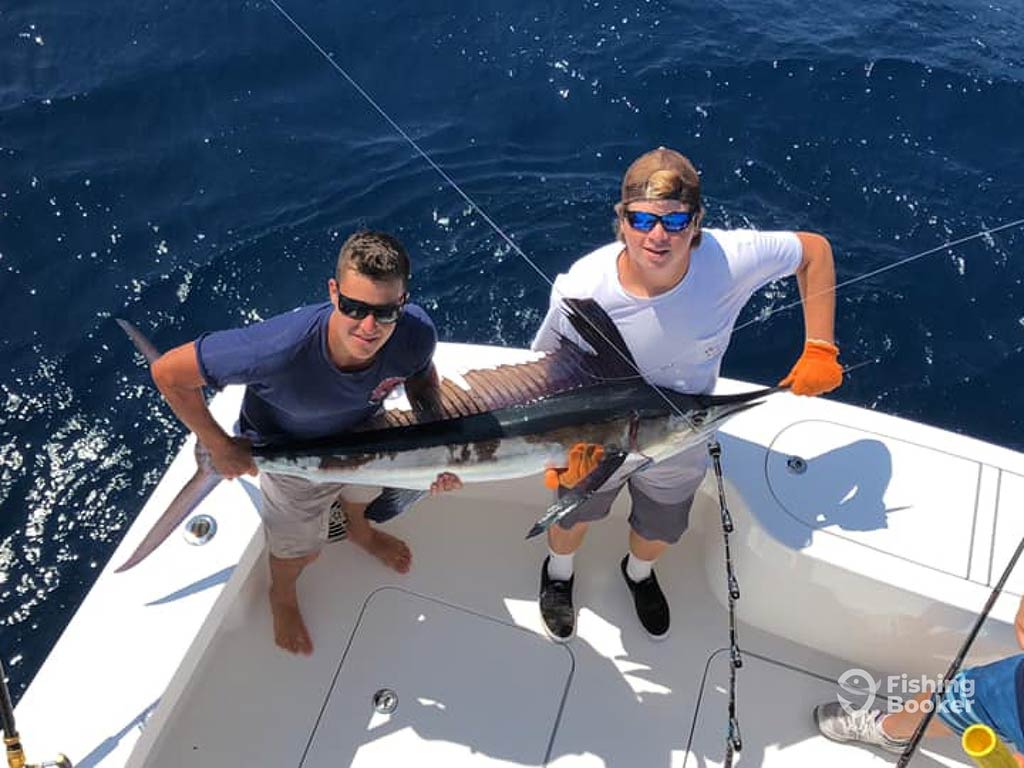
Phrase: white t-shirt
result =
(679, 337)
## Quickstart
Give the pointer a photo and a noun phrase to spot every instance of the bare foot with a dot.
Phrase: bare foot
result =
(290, 631)
(390, 550)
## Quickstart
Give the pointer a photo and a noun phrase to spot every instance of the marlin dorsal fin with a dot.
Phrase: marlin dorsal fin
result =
(611, 358)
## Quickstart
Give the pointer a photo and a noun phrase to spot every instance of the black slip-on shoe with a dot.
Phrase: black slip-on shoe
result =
(556, 607)
(650, 602)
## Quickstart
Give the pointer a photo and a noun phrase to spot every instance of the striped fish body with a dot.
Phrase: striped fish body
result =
(512, 442)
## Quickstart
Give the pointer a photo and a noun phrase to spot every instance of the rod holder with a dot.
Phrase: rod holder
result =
(981, 744)
(12, 741)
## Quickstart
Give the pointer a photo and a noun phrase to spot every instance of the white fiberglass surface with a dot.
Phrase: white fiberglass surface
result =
(420, 674)
(239, 701)
(895, 496)
(1009, 529)
(630, 701)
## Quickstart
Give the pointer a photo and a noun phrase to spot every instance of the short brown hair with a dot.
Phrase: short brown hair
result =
(661, 174)
(375, 254)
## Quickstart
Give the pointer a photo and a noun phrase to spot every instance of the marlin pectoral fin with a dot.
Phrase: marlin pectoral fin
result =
(198, 488)
(582, 491)
(392, 502)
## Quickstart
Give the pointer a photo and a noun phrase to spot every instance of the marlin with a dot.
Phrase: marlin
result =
(513, 421)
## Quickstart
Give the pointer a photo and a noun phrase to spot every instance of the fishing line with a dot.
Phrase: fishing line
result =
(472, 203)
(847, 370)
(950, 244)
(412, 142)
(766, 314)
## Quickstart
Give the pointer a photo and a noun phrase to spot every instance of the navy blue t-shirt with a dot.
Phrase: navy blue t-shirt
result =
(293, 388)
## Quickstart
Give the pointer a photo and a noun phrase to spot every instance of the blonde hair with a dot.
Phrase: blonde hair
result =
(663, 185)
(661, 174)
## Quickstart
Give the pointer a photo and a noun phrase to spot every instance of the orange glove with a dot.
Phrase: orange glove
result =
(583, 459)
(817, 371)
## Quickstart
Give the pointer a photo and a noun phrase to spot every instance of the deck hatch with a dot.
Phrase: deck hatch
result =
(466, 689)
(1009, 530)
(894, 496)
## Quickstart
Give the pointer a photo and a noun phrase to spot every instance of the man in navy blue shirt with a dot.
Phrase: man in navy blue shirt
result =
(316, 371)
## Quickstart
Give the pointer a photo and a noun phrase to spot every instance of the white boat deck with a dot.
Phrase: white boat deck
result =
(877, 556)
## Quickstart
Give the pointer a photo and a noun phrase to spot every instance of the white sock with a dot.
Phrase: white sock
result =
(560, 566)
(638, 569)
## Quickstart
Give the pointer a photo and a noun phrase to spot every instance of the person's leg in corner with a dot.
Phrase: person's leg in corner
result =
(891, 732)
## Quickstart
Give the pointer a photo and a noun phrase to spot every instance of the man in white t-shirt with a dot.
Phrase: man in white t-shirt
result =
(674, 291)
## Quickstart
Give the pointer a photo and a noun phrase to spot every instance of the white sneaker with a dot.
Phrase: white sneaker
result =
(863, 726)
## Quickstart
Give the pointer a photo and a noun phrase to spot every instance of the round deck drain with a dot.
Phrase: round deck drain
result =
(200, 529)
(385, 701)
(796, 465)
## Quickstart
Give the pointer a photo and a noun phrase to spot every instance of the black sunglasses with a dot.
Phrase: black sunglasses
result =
(385, 314)
(642, 221)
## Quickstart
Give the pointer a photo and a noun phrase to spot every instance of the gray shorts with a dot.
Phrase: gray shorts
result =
(295, 511)
(662, 496)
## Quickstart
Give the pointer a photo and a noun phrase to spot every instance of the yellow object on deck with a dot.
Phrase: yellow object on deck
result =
(983, 746)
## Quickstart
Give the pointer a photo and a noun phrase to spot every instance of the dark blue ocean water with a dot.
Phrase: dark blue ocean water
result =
(192, 165)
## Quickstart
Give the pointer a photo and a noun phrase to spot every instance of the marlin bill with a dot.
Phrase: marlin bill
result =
(513, 421)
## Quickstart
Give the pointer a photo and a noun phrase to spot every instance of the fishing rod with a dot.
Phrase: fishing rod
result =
(733, 739)
(954, 667)
(15, 752)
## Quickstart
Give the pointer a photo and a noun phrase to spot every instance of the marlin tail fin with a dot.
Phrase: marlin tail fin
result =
(198, 488)
(188, 498)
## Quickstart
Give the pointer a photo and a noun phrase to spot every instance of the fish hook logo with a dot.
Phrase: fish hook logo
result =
(859, 682)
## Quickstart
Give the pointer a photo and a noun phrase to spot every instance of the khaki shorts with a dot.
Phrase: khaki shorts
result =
(295, 511)
(662, 496)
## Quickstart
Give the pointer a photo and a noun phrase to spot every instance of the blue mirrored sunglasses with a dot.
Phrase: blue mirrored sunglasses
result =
(642, 221)
(385, 314)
